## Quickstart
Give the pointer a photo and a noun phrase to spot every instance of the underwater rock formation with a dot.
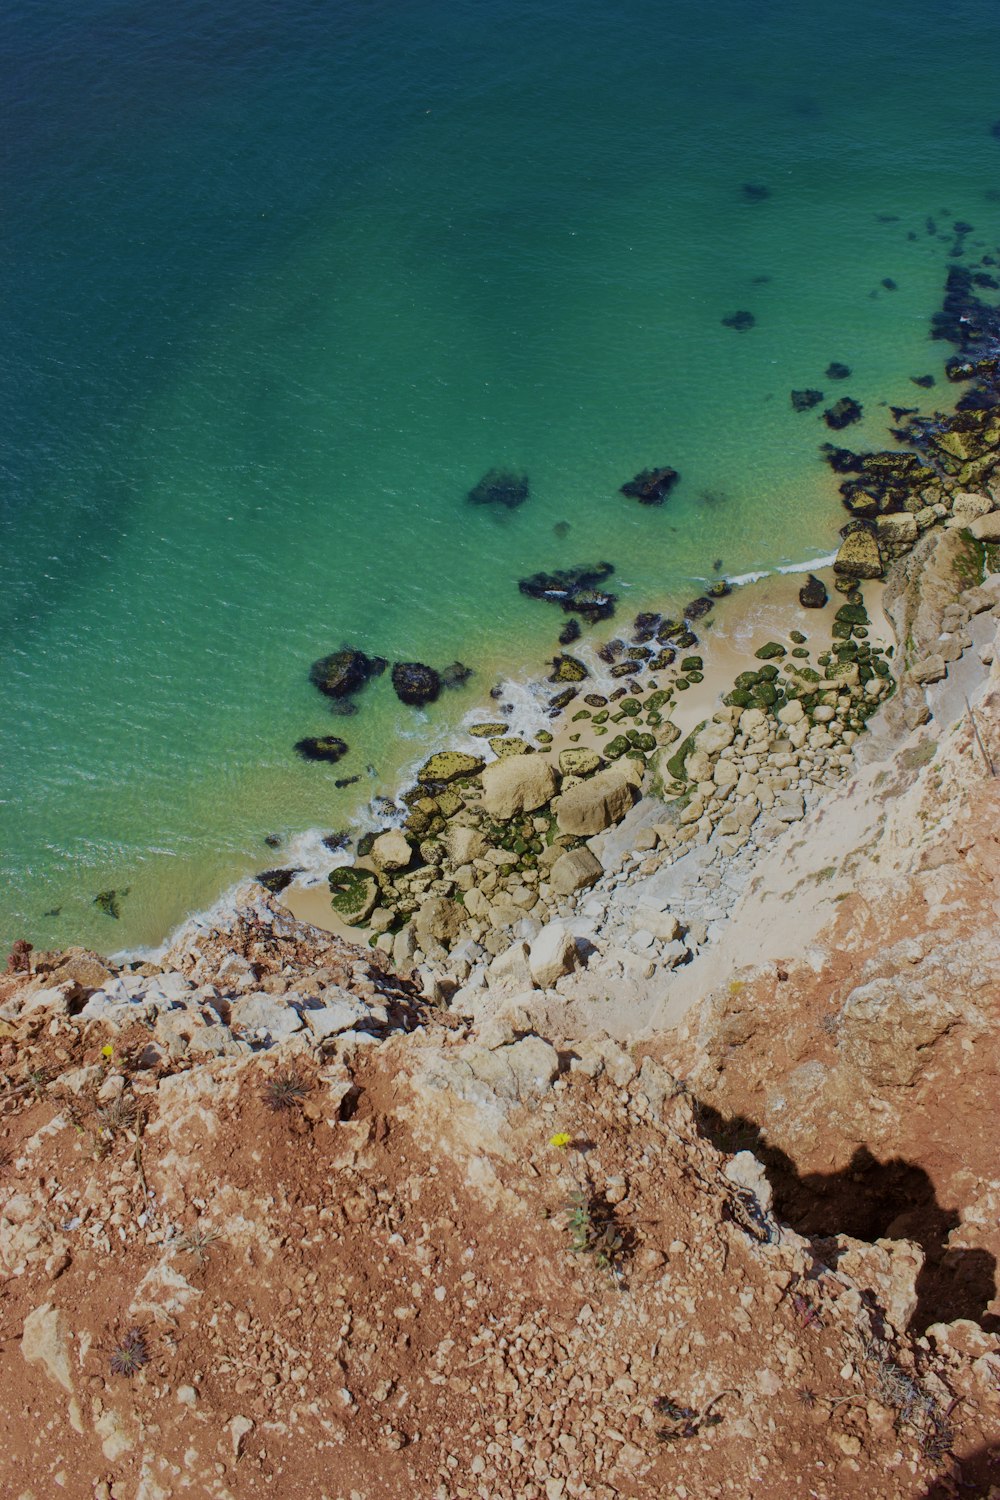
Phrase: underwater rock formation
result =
(500, 487)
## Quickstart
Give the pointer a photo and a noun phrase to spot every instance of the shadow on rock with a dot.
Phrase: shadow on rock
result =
(975, 1474)
(871, 1200)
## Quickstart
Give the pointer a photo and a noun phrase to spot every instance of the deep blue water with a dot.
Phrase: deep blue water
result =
(282, 281)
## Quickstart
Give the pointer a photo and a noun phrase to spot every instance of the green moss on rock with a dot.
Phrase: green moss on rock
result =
(354, 894)
(449, 765)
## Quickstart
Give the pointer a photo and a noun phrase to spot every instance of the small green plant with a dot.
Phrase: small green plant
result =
(593, 1229)
(197, 1243)
(285, 1090)
(130, 1354)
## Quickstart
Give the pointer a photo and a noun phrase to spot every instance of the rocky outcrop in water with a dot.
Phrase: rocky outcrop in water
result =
(500, 487)
(652, 486)
(344, 672)
(414, 683)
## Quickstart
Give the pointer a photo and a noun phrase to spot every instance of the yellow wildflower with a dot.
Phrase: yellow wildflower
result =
(108, 1052)
(560, 1141)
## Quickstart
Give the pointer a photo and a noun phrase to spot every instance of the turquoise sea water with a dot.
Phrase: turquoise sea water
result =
(283, 280)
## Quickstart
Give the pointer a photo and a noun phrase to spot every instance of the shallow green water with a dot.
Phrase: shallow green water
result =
(285, 284)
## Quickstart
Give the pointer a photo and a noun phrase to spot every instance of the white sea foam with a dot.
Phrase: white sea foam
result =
(809, 566)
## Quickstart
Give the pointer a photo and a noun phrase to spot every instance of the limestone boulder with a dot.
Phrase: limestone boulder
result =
(438, 921)
(986, 528)
(45, 1341)
(713, 737)
(575, 871)
(510, 969)
(391, 851)
(552, 954)
(464, 844)
(266, 1015)
(969, 507)
(595, 804)
(888, 1026)
(517, 785)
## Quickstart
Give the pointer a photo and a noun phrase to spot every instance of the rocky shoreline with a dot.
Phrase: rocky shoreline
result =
(492, 848)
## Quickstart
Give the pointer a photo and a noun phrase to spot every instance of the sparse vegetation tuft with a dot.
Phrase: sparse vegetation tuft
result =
(285, 1090)
(130, 1354)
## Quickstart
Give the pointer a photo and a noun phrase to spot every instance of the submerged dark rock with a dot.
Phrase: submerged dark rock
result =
(842, 413)
(277, 881)
(109, 902)
(343, 781)
(336, 841)
(574, 590)
(805, 400)
(836, 371)
(926, 381)
(889, 284)
(570, 632)
(698, 607)
(325, 747)
(561, 529)
(755, 192)
(720, 589)
(344, 672)
(415, 683)
(455, 675)
(272, 840)
(739, 320)
(652, 486)
(813, 594)
(500, 487)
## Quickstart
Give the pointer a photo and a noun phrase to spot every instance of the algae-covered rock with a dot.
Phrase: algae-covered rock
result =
(616, 747)
(326, 747)
(595, 700)
(450, 765)
(567, 668)
(859, 556)
(630, 707)
(842, 413)
(488, 731)
(354, 895)
(562, 700)
(511, 745)
(773, 651)
(578, 762)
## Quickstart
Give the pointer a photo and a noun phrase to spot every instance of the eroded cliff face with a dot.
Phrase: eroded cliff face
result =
(863, 1065)
(431, 1263)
